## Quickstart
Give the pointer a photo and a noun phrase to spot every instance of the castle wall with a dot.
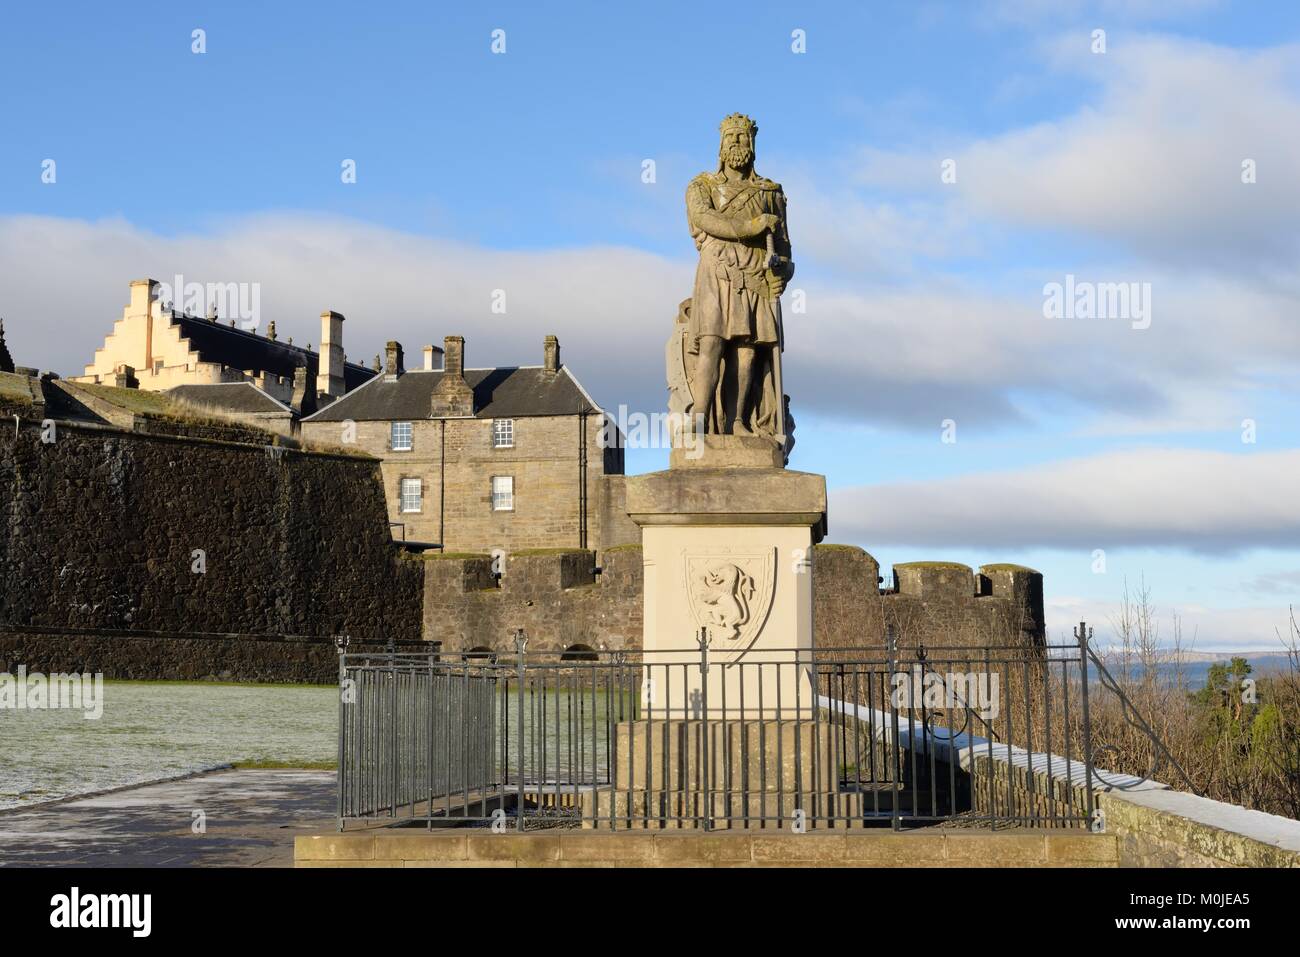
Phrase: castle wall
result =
(157, 657)
(554, 595)
(557, 598)
(98, 562)
(103, 526)
(931, 603)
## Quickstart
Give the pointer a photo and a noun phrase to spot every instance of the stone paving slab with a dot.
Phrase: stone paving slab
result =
(251, 820)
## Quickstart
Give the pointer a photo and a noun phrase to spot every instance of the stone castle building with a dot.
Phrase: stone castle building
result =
(476, 459)
(152, 347)
(472, 459)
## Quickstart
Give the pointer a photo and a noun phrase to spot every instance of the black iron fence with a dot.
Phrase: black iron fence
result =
(708, 739)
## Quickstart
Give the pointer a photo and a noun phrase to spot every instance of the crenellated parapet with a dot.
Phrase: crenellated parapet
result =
(568, 597)
(935, 603)
(560, 597)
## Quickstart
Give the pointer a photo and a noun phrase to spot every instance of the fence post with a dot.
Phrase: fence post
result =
(429, 731)
(521, 642)
(392, 727)
(1083, 634)
(341, 644)
(704, 726)
(895, 749)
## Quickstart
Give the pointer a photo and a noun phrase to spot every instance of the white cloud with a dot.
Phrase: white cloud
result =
(1153, 163)
(1203, 629)
(1208, 502)
(64, 283)
(1034, 12)
(908, 356)
(885, 339)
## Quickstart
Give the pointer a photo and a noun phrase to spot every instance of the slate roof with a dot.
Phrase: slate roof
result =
(505, 393)
(240, 349)
(227, 397)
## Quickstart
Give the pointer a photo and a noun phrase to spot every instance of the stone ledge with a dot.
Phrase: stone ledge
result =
(1153, 825)
(757, 848)
(728, 496)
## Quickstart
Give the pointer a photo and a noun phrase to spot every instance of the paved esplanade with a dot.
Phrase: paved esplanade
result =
(250, 819)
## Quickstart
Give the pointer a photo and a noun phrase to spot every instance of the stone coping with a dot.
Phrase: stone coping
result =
(933, 847)
(271, 444)
(1230, 833)
(964, 748)
(1269, 830)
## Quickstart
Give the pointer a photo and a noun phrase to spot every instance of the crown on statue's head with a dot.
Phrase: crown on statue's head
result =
(739, 122)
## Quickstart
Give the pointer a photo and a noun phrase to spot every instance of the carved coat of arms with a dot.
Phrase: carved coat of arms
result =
(730, 594)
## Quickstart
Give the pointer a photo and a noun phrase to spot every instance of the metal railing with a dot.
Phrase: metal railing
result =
(413, 729)
(712, 739)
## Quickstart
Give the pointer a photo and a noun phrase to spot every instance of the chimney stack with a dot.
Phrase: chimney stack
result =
(431, 354)
(453, 360)
(551, 355)
(139, 313)
(143, 294)
(452, 396)
(393, 360)
(303, 400)
(329, 373)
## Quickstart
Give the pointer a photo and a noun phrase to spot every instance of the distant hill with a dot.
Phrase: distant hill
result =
(1207, 657)
(1194, 666)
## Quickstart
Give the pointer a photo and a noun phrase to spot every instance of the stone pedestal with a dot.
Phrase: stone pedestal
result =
(759, 773)
(725, 451)
(728, 550)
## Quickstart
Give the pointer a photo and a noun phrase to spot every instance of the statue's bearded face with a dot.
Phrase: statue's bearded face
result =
(737, 150)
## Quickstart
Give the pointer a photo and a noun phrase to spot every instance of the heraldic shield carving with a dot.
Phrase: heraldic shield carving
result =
(730, 594)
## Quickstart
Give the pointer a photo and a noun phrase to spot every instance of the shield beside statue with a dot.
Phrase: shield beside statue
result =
(730, 594)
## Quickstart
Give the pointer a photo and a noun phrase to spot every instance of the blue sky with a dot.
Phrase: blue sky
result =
(522, 171)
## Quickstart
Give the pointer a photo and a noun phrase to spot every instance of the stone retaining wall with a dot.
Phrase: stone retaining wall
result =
(115, 530)
(1155, 825)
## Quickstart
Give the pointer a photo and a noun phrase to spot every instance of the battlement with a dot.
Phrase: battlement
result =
(931, 602)
(562, 599)
(558, 596)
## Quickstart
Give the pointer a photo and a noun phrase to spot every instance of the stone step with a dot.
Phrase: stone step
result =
(742, 755)
(657, 810)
